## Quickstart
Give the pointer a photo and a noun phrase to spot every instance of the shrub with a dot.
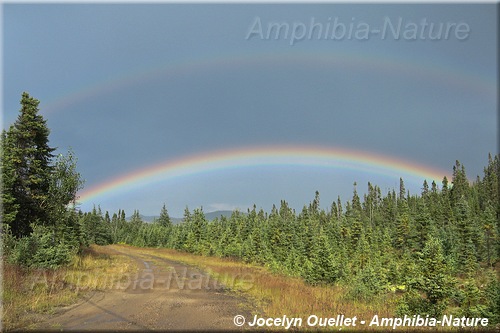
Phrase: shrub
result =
(41, 250)
(366, 284)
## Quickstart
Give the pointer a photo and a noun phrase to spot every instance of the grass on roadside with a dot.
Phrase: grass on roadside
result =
(29, 292)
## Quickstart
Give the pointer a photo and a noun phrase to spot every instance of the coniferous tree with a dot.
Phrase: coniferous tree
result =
(432, 278)
(187, 215)
(402, 190)
(491, 233)
(436, 280)
(423, 224)
(460, 183)
(403, 225)
(135, 219)
(425, 189)
(10, 205)
(164, 219)
(354, 218)
(465, 232)
(27, 169)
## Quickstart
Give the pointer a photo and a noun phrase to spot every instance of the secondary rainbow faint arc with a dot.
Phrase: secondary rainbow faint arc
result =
(326, 157)
(375, 62)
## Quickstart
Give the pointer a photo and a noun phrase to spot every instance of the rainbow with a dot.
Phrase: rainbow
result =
(378, 63)
(310, 156)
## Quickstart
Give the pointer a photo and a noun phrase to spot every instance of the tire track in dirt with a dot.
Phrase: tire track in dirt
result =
(163, 295)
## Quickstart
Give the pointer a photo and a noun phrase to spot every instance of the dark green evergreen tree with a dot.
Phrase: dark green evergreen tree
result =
(430, 286)
(460, 183)
(27, 169)
(164, 219)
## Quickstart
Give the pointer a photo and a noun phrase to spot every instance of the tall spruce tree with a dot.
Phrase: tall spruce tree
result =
(436, 282)
(26, 169)
(460, 183)
(164, 219)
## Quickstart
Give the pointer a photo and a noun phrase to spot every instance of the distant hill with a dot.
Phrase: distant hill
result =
(176, 220)
(151, 218)
(146, 218)
(218, 213)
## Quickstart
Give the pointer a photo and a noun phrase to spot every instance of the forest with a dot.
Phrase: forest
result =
(438, 249)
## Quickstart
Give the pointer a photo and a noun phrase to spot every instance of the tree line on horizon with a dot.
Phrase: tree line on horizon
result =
(440, 248)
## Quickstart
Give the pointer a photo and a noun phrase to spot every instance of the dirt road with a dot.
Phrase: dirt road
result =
(163, 295)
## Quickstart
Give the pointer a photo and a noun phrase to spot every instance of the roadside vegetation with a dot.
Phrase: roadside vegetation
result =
(29, 293)
(432, 253)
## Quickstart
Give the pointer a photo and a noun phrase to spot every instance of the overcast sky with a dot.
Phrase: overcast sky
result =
(129, 86)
